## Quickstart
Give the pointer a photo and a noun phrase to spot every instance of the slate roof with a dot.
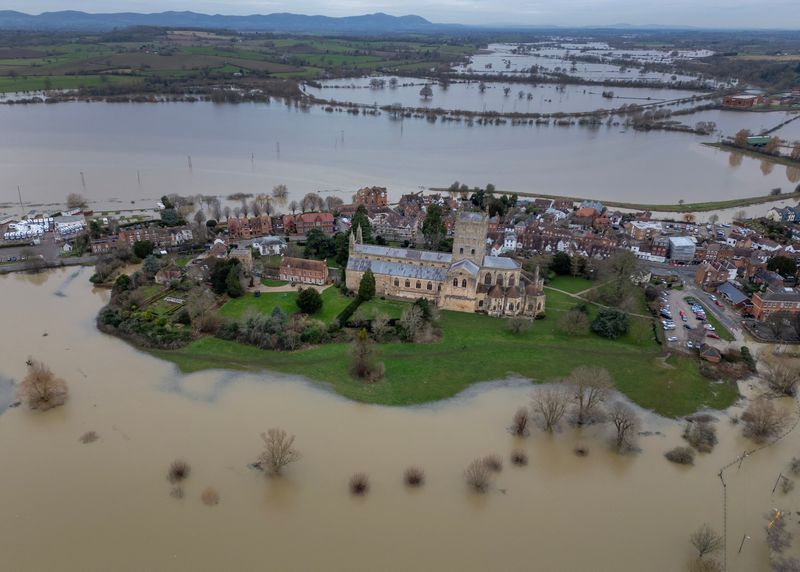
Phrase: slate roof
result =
(732, 293)
(407, 254)
(398, 269)
(467, 266)
(500, 263)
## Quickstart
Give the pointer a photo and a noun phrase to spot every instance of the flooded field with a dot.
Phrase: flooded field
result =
(107, 505)
(563, 58)
(132, 154)
(520, 98)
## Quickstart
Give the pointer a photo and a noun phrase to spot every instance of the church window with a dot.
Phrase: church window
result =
(439, 288)
(430, 286)
(488, 279)
(419, 284)
(455, 282)
(461, 250)
(464, 283)
(397, 282)
(473, 252)
(408, 283)
(480, 303)
(511, 280)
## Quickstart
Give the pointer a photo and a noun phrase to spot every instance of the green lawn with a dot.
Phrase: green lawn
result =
(38, 83)
(571, 284)
(390, 308)
(478, 348)
(332, 304)
(273, 283)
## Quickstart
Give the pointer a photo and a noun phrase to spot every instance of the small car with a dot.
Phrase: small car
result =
(712, 335)
(672, 339)
(688, 327)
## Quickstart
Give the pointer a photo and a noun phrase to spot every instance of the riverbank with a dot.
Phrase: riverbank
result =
(777, 159)
(679, 208)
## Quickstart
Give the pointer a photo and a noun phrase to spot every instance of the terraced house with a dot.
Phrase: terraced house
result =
(466, 280)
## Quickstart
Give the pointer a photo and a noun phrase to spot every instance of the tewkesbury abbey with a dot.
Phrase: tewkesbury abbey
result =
(466, 280)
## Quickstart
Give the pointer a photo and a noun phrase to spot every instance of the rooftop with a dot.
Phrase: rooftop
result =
(500, 263)
(405, 253)
(398, 269)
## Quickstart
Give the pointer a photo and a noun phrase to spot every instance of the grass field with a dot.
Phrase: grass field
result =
(273, 283)
(477, 348)
(175, 57)
(390, 308)
(332, 304)
(571, 284)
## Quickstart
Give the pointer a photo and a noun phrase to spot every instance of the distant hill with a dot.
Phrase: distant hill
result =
(378, 23)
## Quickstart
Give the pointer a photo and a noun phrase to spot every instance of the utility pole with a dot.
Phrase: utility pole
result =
(83, 181)
(189, 158)
(21, 208)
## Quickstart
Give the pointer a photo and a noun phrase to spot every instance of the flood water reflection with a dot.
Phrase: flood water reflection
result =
(107, 505)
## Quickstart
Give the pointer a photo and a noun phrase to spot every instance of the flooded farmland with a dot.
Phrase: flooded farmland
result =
(132, 154)
(629, 513)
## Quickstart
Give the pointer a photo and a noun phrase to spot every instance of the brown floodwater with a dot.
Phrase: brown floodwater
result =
(107, 505)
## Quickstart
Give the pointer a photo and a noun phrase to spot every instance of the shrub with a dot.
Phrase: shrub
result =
(517, 326)
(210, 497)
(748, 358)
(610, 323)
(762, 420)
(493, 462)
(519, 458)
(178, 471)
(681, 455)
(701, 435)
(41, 389)
(519, 425)
(794, 466)
(477, 476)
(581, 450)
(88, 437)
(787, 485)
(359, 484)
(414, 477)
(309, 301)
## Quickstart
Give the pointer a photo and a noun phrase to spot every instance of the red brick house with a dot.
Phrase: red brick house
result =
(774, 300)
(304, 222)
(303, 271)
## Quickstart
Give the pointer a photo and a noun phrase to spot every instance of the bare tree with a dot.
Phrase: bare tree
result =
(781, 376)
(332, 203)
(311, 202)
(380, 326)
(200, 217)
(411, 322)
(549, 404)
(477, 476)
(245, 208)
(519, 424)
(278, 451)
(41, 389)
(255, 207)
(762, 420)
(280, 193)
(293, 206)
(76, 201)
(364, 365)
(590, 387)
(626, 423)
(706, 541)
(574, 323)
(227, 212)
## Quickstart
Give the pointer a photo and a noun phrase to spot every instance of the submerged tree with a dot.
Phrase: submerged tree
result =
(590, 387)
(41, 389)
(706, 541)
(278, 451)
(626, 424)
(549, 404)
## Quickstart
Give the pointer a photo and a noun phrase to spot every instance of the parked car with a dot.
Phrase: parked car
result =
(718, 303)
(712, 297)
(687, 326)
(672, 339)
(712, 335)
(689, 344)
(710, 328)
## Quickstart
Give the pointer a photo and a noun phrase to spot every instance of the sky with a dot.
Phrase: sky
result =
(701, 13)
